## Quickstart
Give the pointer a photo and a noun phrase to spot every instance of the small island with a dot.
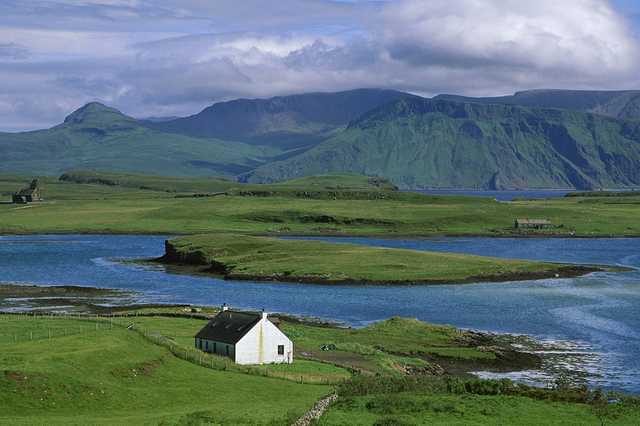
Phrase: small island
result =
(251, 258)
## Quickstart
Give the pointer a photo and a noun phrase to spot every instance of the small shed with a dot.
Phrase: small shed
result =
(34, 193)
(533, 223)
(245, 338)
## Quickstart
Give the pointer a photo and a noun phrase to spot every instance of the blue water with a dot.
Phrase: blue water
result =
(597, 313)
(499, 195)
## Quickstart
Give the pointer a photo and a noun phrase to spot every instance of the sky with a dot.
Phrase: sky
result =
(176, 57)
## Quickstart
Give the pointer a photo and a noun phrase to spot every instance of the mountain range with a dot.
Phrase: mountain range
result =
(533, 139)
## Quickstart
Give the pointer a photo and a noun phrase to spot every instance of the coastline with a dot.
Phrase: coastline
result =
(563, 271)
(511, 356)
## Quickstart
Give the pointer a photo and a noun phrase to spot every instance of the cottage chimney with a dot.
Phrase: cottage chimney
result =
(263, 314)
(224, 307)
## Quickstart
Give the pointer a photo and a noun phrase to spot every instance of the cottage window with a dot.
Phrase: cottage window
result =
(280, 349)
(227, 350)
(214, 347)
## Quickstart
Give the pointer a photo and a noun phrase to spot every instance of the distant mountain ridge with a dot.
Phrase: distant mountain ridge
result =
(286, 122)
(533, 139)
(97, 137)
(224, 140)
(621, 103)
(439, 143)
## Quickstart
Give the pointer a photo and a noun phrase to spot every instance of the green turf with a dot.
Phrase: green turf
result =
(287, 208)
(478, 410)
(116, 376)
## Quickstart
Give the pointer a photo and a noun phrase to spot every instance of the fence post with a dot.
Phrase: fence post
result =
(49, 334)
(31, 335)
(15, 337)
(301, 379)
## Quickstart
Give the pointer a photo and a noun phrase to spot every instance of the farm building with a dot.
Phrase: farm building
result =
(533, 223)
(246, 338)
(35, 192)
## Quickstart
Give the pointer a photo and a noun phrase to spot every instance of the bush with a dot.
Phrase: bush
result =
(362, 385)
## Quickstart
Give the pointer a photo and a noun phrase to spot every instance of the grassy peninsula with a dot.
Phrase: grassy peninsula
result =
(262, 258)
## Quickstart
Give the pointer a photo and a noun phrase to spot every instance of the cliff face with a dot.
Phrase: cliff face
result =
(177, 254)
(423, 143)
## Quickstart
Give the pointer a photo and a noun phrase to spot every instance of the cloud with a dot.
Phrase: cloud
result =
(175, 58)
(586, 38)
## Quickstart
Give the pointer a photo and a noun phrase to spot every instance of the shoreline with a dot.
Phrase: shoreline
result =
(563, 271)
(340, 234)
(509, 358)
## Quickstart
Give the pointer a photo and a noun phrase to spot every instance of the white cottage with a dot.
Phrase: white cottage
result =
(246, 338)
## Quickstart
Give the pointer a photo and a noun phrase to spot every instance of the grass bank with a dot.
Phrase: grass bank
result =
(262, 258)
(53, 374)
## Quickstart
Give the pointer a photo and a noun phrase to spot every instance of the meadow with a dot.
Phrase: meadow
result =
(64, 369)
(111, 375)
(190, 206)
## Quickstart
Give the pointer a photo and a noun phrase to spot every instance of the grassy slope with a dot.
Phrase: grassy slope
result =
(119, 377)
(98, 137)
(292, 260)
(420, 143)
(91, 379)
(305, 211)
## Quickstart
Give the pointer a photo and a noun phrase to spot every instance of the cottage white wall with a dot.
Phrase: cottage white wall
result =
(260, 345)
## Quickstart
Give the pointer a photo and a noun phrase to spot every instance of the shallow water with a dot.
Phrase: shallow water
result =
(595, 314)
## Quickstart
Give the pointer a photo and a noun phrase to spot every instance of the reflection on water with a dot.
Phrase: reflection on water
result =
(597, 312)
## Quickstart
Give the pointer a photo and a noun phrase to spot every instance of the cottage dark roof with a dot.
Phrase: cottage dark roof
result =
(229, 327)
(28, 191)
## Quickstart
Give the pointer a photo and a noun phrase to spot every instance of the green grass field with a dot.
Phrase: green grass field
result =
(288, 208)
(116, 376)
(56, 373)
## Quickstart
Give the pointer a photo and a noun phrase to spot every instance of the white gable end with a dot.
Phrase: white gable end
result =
(264, 344)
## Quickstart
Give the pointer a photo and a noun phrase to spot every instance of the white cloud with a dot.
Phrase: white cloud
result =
(175, 58)
(581, 36)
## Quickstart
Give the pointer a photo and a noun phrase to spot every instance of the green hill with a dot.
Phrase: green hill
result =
(97, 137)
(224, 140)
(423, 143)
